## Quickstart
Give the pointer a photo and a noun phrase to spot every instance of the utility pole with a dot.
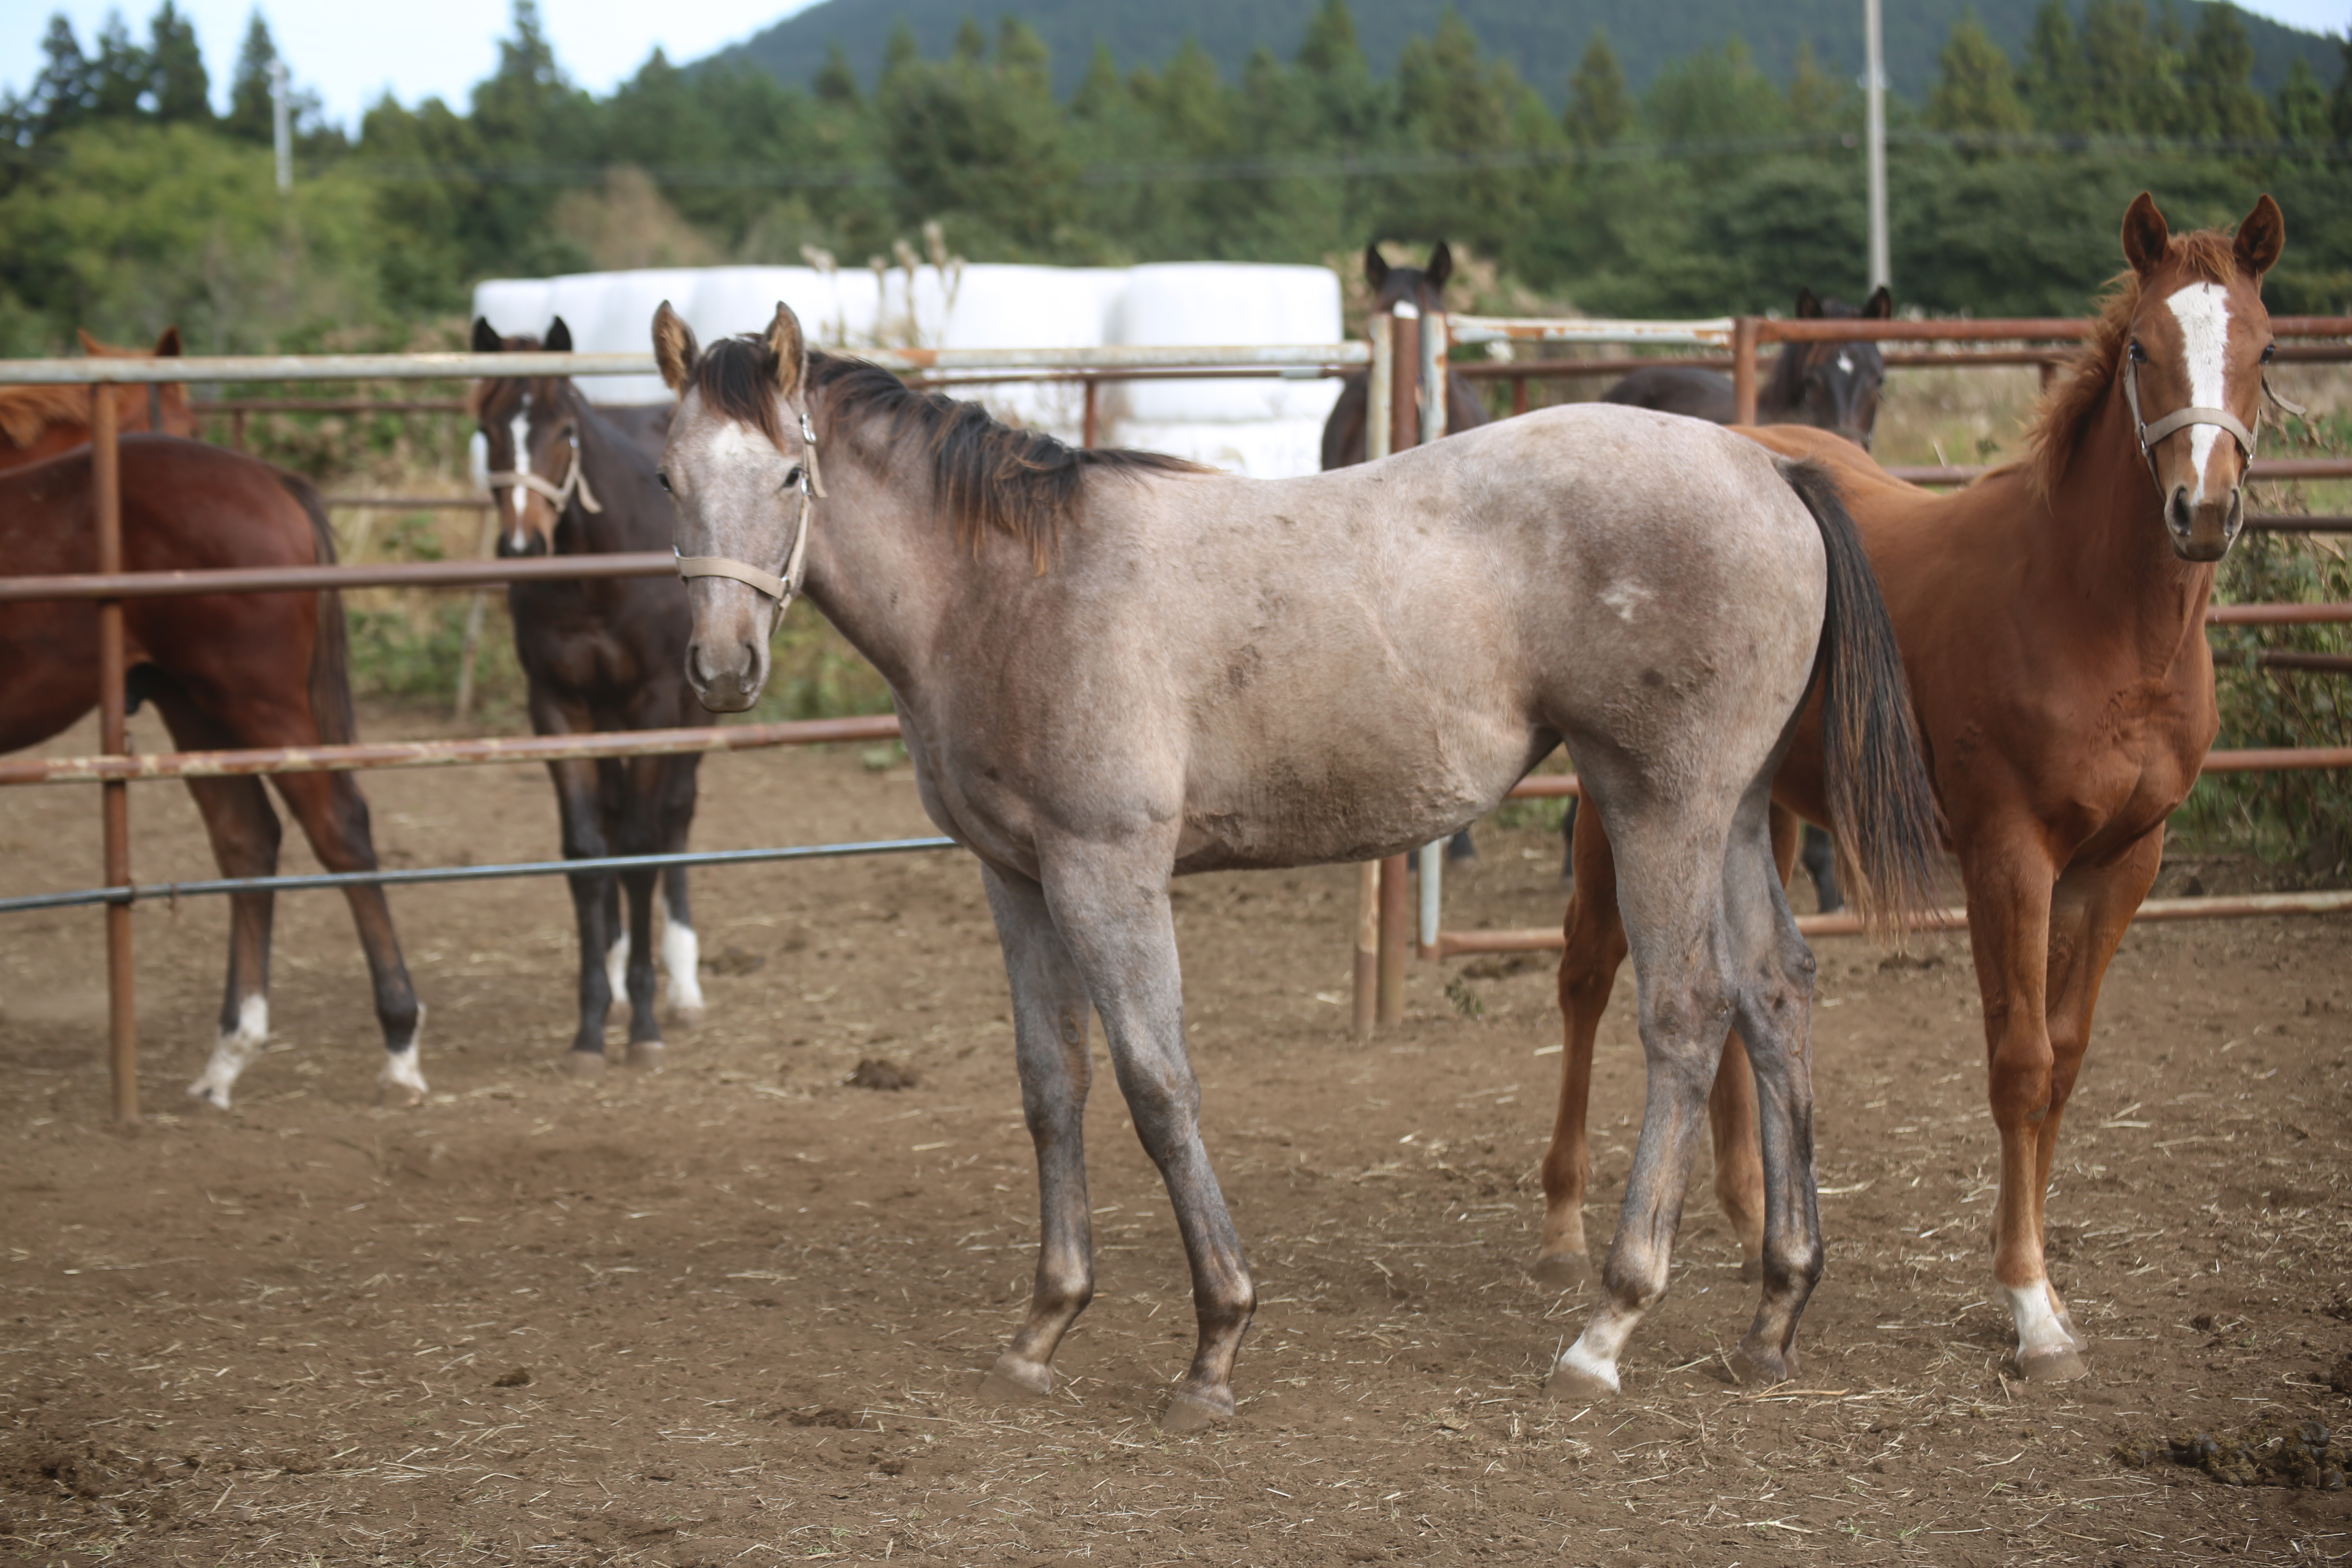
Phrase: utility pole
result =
(281, 128)
(1875, 97)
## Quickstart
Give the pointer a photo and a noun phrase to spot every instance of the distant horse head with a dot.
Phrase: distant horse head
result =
(530, 435)
(2182, 343)
(37, 422)
(1423, 288)
(1833, 386)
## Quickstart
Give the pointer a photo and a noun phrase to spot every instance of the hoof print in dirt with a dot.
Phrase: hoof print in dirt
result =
(881, 1072)
(519, 1378)
(735, 961)
(2306, 1455)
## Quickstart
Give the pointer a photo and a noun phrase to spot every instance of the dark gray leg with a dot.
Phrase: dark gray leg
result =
(1819, 857)
(1111, 907)
(1049, 1031)
(577, 805)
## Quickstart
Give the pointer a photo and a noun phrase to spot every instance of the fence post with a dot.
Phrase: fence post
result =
(114, 737)
(1090, 430)
(1379, 384)
(1744, 339)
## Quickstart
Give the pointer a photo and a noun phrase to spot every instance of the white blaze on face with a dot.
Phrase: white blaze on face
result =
(1846, 363)
(2203, 311)
(519, 430)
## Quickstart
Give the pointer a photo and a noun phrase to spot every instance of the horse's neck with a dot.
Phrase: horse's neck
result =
(882, 567)
(2102, 538)
(1783, 389)
(619, 475)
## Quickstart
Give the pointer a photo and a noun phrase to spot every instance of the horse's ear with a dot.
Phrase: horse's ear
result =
(1808, 305)
(787, 351)
(675, 349)
(1376, 265)
(167, 344)
(1880, 306)
(89, 345)
(1441, 266)
(558, 337)
(486, 337)
(2145, 235)
(2261, 237)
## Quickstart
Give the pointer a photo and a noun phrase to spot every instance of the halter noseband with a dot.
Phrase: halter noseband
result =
(2149, 432)
(781, 589)
(557, 495)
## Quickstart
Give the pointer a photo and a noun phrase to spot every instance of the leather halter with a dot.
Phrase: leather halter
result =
(781, 589)
(557, 495)
(2149, 432)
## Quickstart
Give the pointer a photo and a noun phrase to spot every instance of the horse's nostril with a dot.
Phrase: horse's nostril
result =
(2177, 513)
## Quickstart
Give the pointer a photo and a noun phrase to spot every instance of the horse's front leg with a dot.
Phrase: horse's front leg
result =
(1111, 907)
(1049, 1032)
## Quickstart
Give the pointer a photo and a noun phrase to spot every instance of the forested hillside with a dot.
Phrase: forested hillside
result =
(1722, 184)
(1543, 38)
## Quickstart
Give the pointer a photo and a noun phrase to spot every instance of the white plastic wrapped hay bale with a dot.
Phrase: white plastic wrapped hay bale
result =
(1267, 427)
(1012, 307)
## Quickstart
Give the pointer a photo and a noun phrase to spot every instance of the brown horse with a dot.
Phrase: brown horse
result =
(2052, 621)
(600, 657)
(37, 422)
(227, 671)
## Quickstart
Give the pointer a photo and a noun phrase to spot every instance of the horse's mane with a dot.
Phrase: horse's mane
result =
(989, 477)
(2066, 408)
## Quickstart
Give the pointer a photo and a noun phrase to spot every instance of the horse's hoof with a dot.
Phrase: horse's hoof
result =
(1012, 1381)
(1755, 1367)
(687, 1018)
(400, 1096)
(2052, 1363)
(584, 1064)
(1190, 1412)
(1574, 1386)
(645, 1056)
(1560, 1270)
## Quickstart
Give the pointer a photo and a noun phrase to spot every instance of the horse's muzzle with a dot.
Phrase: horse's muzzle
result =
(2204, 531)
(727, 680)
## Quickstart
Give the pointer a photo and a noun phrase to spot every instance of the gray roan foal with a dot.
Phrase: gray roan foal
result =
(1114, 667)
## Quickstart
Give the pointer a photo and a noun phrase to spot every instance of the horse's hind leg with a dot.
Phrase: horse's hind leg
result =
(1049, 1031)
(245, 835)
(1732, 1108)
(1588, 973)
(334, 817)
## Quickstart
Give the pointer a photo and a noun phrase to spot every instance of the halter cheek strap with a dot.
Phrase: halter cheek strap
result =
(781, 589)
(557, 495)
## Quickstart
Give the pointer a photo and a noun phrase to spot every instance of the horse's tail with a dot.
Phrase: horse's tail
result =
(330, 650)
(1881, 807)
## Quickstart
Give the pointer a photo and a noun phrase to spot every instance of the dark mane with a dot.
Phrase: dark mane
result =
(2066, 408)
(988, 476)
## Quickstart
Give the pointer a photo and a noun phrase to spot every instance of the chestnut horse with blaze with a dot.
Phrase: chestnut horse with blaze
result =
(2052, 622)
(227, 671)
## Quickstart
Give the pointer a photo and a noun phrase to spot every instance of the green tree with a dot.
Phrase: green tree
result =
(2131, 80)
(836, 81)
(2301, 110)
(62, 93)
(121, 77)
(1976, 90)
(2217, 78)
(1816, 99)
(1715, 95)
(1600, 106)
(182, 90)
(2054, 72)
(248, 90)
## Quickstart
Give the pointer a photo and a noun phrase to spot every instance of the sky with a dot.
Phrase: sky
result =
(351, 55)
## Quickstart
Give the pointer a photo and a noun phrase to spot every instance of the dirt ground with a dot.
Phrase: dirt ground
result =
(731, 1314)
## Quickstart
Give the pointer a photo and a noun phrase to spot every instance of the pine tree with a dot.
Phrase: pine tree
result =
(61, 96)
(900, 51)
(1975, 89)
(2131, 80)
(1814, 96)
(1330, 47)
(1599, 108)
(2218, 79)
(1023, 56)
(181, 88)
(2301, 110)
(836, 81)
(249, 88)
(2053, 69)
(119, 78)
(970, 43)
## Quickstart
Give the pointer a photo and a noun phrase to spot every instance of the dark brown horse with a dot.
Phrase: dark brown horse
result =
(2051, 620)
(1420, 290)
(600, 657)
(1832, 386)
(38, 422)
(227, 671)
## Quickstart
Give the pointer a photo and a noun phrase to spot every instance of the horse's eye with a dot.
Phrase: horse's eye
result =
(793, 478)
(663, 479)
(2139, 355)
(2270, 352)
